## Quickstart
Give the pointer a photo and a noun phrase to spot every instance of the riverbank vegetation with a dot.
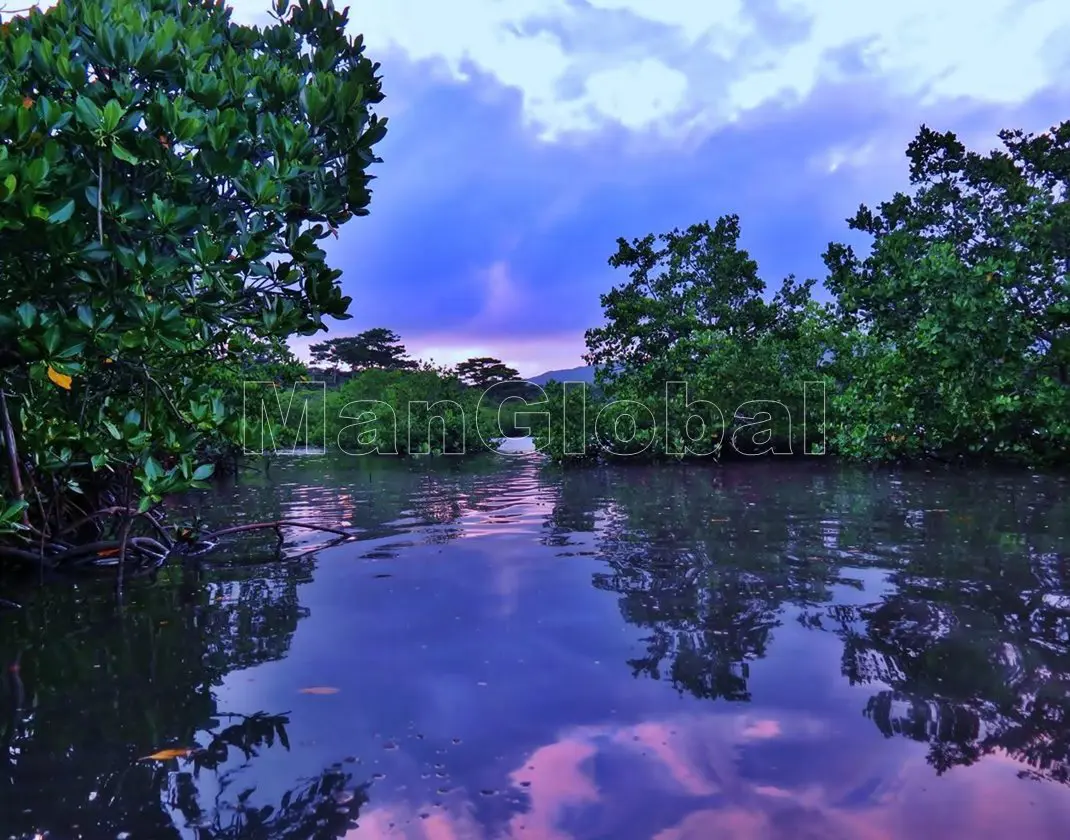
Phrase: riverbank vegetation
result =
(949, 340)
(166, 177)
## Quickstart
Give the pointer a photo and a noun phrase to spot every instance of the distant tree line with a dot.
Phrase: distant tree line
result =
(374, 366)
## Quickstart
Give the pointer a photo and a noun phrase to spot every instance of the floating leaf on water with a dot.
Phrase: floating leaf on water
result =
(60, 379)
(718, 520)
(320, 689)
(167, 755)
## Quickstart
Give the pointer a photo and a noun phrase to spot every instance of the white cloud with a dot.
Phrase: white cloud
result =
(576, 66)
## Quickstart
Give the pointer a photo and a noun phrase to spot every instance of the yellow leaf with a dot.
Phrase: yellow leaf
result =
(108, 552)
(320, 689)
(60, 379)
(167, 755)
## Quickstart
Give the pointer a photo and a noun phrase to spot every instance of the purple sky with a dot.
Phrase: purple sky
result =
(527, 135)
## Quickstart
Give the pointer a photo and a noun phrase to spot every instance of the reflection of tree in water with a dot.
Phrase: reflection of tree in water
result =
(973, 666)
(972, 637)
(324, 807)
(579, 497)
(705, 578)
(379, 496)
(90, 691)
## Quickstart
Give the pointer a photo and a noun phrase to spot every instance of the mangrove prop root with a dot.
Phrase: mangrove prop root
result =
(124, 538)
(100, 514)
(128, 546)
(12, 454)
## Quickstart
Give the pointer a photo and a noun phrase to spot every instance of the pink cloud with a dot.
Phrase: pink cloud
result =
(697, 756)
(657, 738)
(762, 729)
(556, 780)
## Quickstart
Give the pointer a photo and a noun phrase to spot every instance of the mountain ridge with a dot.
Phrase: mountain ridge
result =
(583, 373)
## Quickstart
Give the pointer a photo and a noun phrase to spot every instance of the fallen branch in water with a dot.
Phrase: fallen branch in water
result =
(91, 552)
(144, 547)
(276, 525)
(20, 554)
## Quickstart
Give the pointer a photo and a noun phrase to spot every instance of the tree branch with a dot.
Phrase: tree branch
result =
(290, 523)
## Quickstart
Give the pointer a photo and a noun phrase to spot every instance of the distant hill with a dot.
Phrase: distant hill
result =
(576, 374)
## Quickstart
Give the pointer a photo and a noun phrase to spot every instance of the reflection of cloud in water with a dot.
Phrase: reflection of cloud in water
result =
(683, 778)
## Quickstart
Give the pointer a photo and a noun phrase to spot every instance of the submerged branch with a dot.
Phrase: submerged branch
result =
(20, 554)
(290, 523)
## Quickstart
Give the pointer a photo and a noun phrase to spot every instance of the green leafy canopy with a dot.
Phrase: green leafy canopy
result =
(166, 177)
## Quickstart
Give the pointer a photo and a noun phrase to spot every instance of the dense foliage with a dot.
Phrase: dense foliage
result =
(962, 309)
(693, 358)
(165, 178)
(951, 339)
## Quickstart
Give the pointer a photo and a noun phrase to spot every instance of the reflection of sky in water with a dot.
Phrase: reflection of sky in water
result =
(484, 680)
(489, 691)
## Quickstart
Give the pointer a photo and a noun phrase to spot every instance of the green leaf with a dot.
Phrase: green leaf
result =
(113, 114)
(61, 212)
(37, 171)
(123, 154)
(52, 338)
(88, 113)
(144, 504)
(70, 352)
(203, 471)
(13, 510)
(153, 469)
(313, 102)
(113, 430)
(27, 313)
(85, 315)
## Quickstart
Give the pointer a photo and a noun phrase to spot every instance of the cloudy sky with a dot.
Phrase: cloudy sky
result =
(527, 135)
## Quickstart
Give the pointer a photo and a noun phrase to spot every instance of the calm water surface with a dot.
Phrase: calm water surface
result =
(509, 651)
